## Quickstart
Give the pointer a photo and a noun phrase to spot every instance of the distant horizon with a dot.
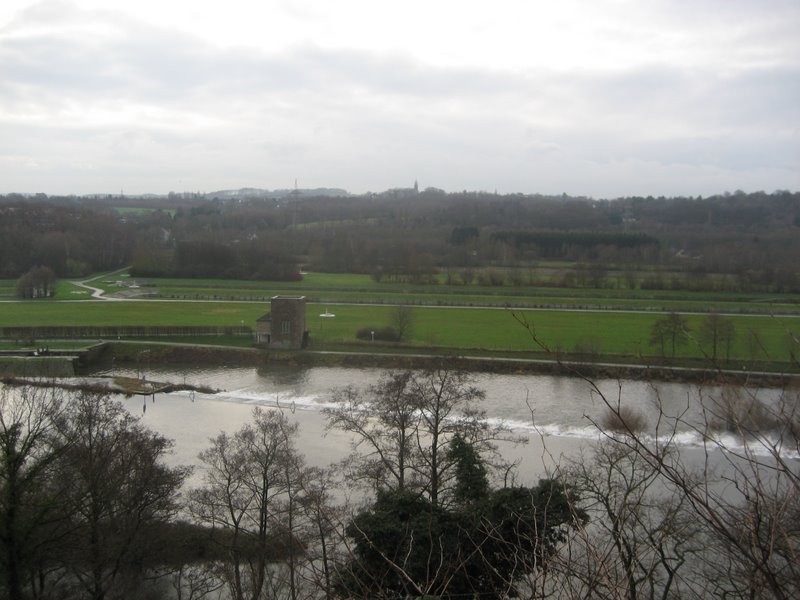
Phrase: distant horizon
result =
(123, 195)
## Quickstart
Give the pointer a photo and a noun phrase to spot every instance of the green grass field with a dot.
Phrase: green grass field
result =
(454, 329)
(621, 334)
(326, 287)
(453, 319)
(350, 288)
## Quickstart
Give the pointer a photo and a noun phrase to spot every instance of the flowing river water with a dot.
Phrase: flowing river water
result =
(556, 414)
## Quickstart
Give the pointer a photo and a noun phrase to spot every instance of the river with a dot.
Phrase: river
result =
(554, 413)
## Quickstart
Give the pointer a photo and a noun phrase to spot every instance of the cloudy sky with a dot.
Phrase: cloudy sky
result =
(593, 97)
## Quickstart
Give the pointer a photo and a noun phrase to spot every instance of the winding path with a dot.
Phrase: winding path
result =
(98, 293)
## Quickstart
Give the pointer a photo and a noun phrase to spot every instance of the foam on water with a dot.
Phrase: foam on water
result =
(246, 396)
(762, 447)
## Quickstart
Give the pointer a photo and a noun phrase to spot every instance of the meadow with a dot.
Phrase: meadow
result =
(606, 335)
(354, 288)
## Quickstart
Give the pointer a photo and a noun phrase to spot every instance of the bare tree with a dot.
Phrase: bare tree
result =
(716, 332)
(639, 535)
(39, 282)
(672, 330)
(321, 531)
(194, 581)
(402, 321)
(741, 497)
(446, 403)
(248, 476)
(32, 519)
(116, 491)
(384, 421)
(403, 425)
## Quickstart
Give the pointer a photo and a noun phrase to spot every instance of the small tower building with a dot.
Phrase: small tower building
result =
(285, 325)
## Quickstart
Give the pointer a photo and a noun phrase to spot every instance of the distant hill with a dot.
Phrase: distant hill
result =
(249, 193)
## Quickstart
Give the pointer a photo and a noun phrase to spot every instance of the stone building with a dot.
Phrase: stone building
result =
(285, 325)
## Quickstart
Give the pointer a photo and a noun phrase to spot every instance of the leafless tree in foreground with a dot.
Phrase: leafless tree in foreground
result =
(117, 495)
(403, 425)
(248, 478)
(721, 524)
(31, 511)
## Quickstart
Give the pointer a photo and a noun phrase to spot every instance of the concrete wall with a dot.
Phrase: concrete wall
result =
(38, 366)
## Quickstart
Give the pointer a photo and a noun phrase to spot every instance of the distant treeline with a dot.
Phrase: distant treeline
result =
(253, 259)
(405, 235)
(553, 244)
(70, 240)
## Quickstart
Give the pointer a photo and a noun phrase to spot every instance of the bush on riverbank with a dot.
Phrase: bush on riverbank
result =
(623, 419)
(381, 334)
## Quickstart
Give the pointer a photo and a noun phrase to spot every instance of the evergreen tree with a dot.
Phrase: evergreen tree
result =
(484, 544)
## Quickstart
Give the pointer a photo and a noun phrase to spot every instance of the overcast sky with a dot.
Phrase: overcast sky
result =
(602, 98)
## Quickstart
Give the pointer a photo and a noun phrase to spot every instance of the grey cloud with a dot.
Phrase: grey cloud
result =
(144, 62)
(359, 118)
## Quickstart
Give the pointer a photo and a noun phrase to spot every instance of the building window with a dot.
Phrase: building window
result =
(286, 327)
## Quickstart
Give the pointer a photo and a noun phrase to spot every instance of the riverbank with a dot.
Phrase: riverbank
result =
(160, 353)
(145, 354)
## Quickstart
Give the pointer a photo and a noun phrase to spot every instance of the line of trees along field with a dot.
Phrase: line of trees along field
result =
(751, 238)
(88, 509)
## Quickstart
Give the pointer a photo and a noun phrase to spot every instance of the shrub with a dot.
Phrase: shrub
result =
(383, 334)
(735, 411)
(491, 277)
(589, 345)
(623, 419)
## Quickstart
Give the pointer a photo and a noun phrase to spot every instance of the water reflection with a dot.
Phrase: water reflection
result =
(283, 376)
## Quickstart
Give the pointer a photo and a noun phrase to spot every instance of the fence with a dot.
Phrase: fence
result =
(70, 332)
